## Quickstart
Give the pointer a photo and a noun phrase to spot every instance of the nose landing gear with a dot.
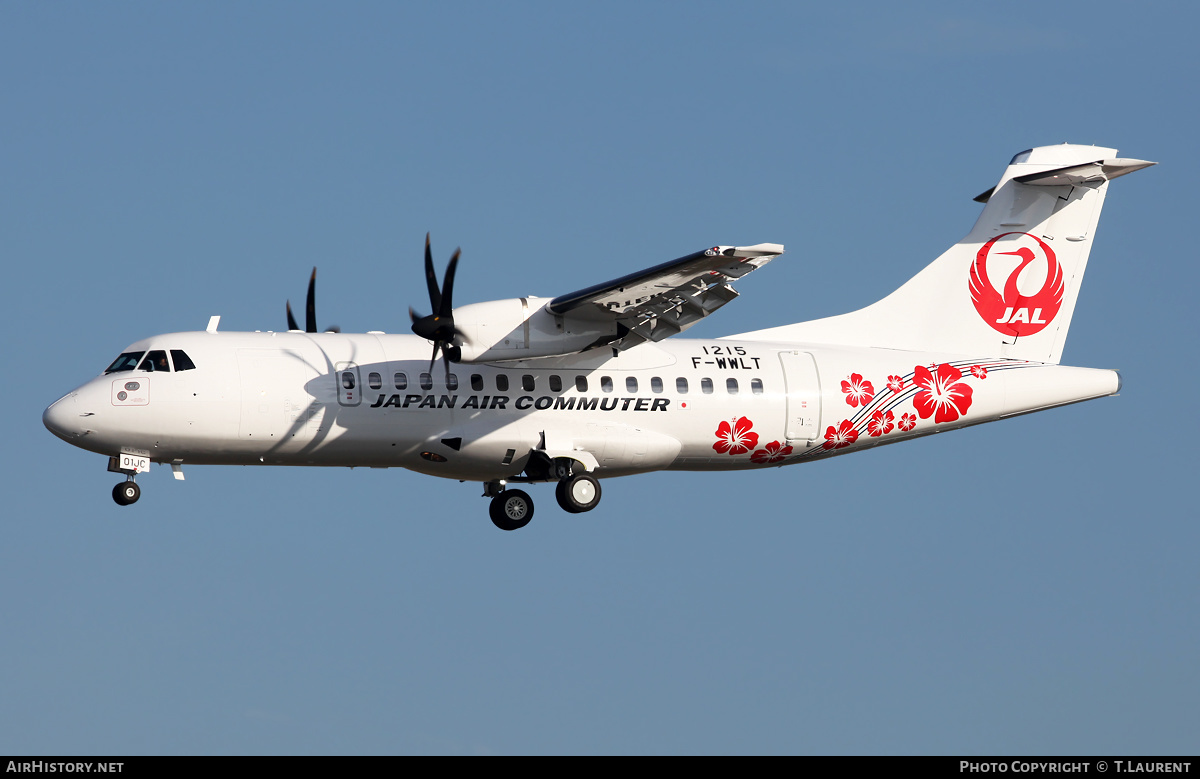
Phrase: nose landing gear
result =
(126, 492)
(129, 465)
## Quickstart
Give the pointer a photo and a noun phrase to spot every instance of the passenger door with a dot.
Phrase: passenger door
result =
(803, 396)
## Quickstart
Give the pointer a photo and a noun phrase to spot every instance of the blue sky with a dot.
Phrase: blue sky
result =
(1023, 587)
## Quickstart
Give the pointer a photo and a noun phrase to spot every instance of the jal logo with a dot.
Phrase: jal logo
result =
(1030, 284)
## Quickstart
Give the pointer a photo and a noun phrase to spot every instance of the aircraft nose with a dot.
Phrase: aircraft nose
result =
(62, 417)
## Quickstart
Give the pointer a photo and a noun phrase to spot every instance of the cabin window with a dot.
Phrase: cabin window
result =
(606, 383)
(655, 384)
(126, 362)
(400, 381)
(426, 381)
(155, 361)
(476, 382)
(374, 380)
(706, 386)
(731, 386)
(182, 361)
(501, 382)
(581, 383)
(756, 386)
(555, 383)
(681, 386)
(451, 381)
(527, 383)
(631, 384)
(348, 380)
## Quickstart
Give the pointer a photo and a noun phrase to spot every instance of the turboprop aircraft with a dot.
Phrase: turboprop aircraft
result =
(596, 383)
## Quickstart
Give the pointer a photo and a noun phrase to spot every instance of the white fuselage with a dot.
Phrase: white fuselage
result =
(371, 400)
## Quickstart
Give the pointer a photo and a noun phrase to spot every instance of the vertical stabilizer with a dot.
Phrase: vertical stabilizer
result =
(1009, 288)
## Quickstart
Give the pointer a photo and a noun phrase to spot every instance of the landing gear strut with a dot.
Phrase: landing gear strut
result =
(578, 494)
(126, 492)
(511, 509)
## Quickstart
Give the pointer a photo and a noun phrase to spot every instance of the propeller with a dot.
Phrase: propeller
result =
(439, 326)
(310, 310)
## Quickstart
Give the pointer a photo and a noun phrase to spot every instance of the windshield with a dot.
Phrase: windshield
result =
(155, 361)
(126, 362)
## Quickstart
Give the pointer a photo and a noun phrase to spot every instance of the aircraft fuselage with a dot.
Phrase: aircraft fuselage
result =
(371, 400)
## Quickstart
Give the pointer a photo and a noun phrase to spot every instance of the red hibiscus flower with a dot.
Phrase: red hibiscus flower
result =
(979, 372)
(907, 422)
(773, 453)
(736, 439)
(858, 390)
(840, 436)
(941, 396)
(881, 422)
(895, 384)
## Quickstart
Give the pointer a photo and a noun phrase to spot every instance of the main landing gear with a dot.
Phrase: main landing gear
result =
(127, 492)
(512, 509)
(578, 494)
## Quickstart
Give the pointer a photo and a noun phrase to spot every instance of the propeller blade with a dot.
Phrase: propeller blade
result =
(433, 359)
(447, 308)
(439, 325)
(435, 296)
(310, 309)
(446, 362)
(291, 319)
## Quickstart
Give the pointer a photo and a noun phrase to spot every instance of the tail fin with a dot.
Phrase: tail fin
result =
(1009, 288)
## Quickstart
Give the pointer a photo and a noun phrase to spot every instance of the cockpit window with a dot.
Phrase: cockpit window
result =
(182, 361)
(155, 361)
(126, 362)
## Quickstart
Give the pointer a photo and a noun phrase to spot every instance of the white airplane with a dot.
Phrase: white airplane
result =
(587, 386)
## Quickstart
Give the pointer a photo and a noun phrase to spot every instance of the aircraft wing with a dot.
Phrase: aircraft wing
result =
(659, 302)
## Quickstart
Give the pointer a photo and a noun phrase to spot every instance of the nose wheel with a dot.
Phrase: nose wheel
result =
(126, 493)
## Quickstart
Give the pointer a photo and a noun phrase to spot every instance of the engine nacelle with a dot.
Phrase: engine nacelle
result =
(522, 328)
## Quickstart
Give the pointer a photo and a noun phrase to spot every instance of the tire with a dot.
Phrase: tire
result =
(578, 494)
(126, 493)
(511, 510)
(564, 501)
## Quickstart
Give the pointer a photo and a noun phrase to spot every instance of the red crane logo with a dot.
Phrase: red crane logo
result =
(1010, 312)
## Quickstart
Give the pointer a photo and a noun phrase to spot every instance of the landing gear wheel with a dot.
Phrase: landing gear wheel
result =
(578, 494)
(511, 510)
(126, 492)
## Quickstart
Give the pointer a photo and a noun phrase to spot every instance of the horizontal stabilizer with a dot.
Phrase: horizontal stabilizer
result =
(1075, 175)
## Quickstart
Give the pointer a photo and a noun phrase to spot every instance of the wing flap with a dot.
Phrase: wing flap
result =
(627, 292)
(665, 300)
